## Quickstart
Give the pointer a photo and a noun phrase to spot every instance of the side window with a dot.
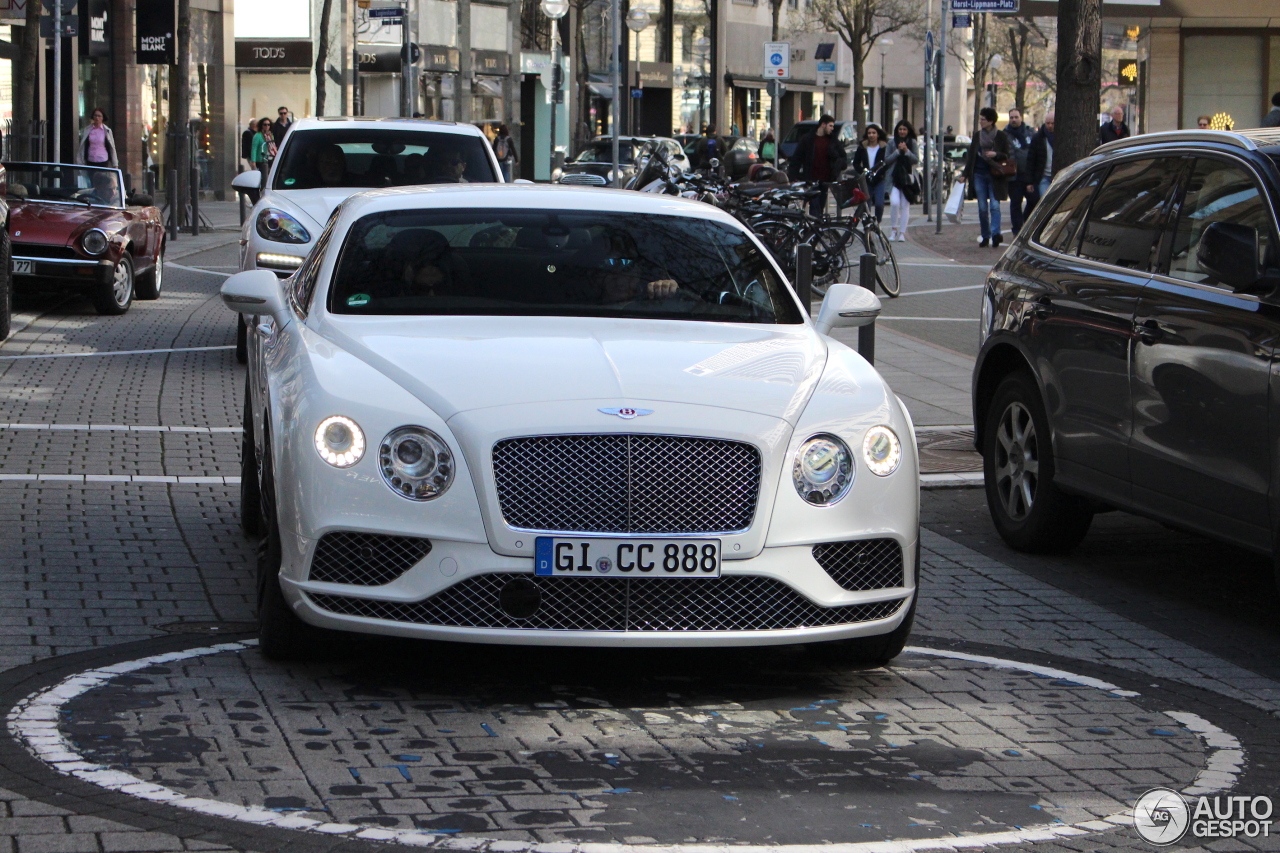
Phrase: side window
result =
(1061, 224)
(1127, 216)
(304, 280)
(1217, 192)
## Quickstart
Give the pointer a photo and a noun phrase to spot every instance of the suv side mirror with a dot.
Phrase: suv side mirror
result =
(1228, 251)
(250, 179)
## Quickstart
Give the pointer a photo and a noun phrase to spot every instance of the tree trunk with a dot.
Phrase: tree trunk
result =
(179, 104)
(24, 103)
(775, 6)
(322, 55)
(981, 60)
(1079, 80)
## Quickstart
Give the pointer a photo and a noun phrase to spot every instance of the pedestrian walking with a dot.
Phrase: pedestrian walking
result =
(504, 148)
(870, 154)
(1114, 129)
(264, 148)
(900, 161)
(1040, 160)
(987, 171)
(768, 147)
(710, 147)
(279, 127)
(1272, 119)
(1021, 199)
(97, 144)
(246, 142)
(819, 158)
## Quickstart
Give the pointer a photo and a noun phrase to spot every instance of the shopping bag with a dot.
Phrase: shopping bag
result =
(955, 202)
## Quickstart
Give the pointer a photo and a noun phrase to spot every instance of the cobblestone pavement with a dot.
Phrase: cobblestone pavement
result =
(97, 572)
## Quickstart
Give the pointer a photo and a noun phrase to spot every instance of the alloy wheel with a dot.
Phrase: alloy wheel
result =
(122, 284)
(1017, 462)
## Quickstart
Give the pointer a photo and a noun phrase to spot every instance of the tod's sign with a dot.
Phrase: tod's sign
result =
(282, 53)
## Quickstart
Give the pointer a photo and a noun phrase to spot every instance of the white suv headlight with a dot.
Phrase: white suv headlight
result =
(882, 451)
(340, 441)
(416, 463)
(280, 227)
(823, 470)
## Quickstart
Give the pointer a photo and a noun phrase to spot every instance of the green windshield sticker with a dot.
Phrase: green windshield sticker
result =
(356, 300)
(288, 182)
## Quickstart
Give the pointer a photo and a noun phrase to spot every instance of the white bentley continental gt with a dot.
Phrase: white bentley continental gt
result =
(554, 415)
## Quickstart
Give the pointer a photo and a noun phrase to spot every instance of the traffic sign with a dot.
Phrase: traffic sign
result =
(960, 22)
(826, 73)
(776, 89)
(984, 5)
(777, 60)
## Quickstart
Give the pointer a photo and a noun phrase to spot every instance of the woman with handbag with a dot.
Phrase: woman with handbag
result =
(870, 154)
(901, 162)
(987, 171)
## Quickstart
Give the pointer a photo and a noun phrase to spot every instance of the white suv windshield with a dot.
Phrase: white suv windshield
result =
(380, 157)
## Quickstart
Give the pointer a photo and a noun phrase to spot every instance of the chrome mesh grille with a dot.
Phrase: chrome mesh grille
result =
(729, 603)
(627, 483)
(365, 559)
(862, 564)
(583, 178)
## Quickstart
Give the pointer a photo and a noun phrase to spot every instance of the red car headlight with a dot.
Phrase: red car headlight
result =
(94, 241)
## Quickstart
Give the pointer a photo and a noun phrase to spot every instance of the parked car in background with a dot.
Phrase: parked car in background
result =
(322, 161)
(73, 227)
(6, 264)
(1129, 342)
(593, 166)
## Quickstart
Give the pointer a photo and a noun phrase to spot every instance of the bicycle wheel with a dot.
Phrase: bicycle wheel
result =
(781, 238)
(886, 264)
(835, 249)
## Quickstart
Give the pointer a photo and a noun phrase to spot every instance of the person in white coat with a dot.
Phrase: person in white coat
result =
(900, 162)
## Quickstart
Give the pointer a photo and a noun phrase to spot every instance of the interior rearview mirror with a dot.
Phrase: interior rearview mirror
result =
(1228, 251)
(847, 306)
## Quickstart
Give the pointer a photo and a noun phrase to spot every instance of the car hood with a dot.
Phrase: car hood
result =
(459, 364)
(56, 224)
(310, 207)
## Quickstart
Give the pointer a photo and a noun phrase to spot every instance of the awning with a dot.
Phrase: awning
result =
(489, 86)
(601, 90)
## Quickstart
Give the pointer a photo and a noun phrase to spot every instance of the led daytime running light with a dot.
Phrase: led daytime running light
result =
(340, 441)
(882, 451)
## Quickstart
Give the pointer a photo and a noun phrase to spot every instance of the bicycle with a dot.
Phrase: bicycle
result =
(782, 228)
(859, 189)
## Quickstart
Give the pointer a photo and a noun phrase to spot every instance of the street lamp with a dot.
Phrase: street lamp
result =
(884, 43)
(701, 49)
(637, 20)
(995, 63)
(555, 10)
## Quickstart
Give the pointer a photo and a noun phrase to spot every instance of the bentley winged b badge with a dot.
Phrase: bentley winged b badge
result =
(627, 413)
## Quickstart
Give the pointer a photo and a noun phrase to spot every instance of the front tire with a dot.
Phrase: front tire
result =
(1029, 511)
(114, 296)
(242, 340)
(250, 486)
(282, 635)
(151, 282)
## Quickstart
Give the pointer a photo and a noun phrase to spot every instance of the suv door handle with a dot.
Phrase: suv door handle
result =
(1042, 307)
(1148, 331)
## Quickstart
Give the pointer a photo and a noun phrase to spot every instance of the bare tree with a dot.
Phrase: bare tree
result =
(322, 55)
(1079, 80)
(859, 24)
(24, 101)
(1026, 47)
(775, 9)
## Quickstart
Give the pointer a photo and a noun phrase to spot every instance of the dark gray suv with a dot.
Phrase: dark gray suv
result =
(1129, 337)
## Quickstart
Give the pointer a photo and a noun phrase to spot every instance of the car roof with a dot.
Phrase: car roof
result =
(387, 123)
(525, 197)
(1253, 139)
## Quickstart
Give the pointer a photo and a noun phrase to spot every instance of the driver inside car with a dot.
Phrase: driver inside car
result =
(615, 272)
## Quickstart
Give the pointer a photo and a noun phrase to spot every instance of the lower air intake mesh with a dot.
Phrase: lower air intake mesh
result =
(365, 559)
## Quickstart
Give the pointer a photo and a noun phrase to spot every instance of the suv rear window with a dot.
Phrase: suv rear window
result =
(1126, 218)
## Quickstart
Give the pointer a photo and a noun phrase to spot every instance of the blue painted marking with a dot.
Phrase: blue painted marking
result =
(1164, 733)
(1012, 753)
(618, 791)
(355, 774)
(404, 771)
(542, 556)
(727, 797)
(491, 732)
(407, 757)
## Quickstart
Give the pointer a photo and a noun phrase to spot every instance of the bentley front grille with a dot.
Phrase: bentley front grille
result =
(862, 564)
(365, 559)
(729, 603)
(615, 483)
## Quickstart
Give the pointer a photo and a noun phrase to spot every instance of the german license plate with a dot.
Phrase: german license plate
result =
(628, 558)
(23, 267)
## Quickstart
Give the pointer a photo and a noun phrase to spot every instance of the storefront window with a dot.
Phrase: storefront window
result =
(6, 92)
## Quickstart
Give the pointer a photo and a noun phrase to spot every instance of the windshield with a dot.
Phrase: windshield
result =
(602, 152)
(65, 184)
(369, 157)
(556, 263)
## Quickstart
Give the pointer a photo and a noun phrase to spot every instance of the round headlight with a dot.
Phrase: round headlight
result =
(340, 441)
(416, 463)
(94, 241)
(823, 470)
(882, 451)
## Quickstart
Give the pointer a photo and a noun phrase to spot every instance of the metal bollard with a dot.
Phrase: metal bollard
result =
(173, 202)
(193, 184)
(804, 275)
(867, 333)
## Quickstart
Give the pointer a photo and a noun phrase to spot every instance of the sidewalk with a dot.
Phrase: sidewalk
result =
(225, 218)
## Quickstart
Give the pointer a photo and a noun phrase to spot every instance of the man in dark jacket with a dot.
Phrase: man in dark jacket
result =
(819, 158)
(1040, 160)
(710, 146)
(1114, 129)
(1021, 200)
(280, 126)
(1272, 119)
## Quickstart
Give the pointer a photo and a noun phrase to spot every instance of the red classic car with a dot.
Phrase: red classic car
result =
(72, 226)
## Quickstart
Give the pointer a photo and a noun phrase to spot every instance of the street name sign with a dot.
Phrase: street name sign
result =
(984, 6)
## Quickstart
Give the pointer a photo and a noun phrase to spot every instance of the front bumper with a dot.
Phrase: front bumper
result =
(456, 592)
(65, 269)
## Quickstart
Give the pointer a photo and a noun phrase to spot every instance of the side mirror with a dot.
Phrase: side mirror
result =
(714, 162)
(254, 292)
(1229, 252)
(247, 180)
(522, 181)
(846, 306)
